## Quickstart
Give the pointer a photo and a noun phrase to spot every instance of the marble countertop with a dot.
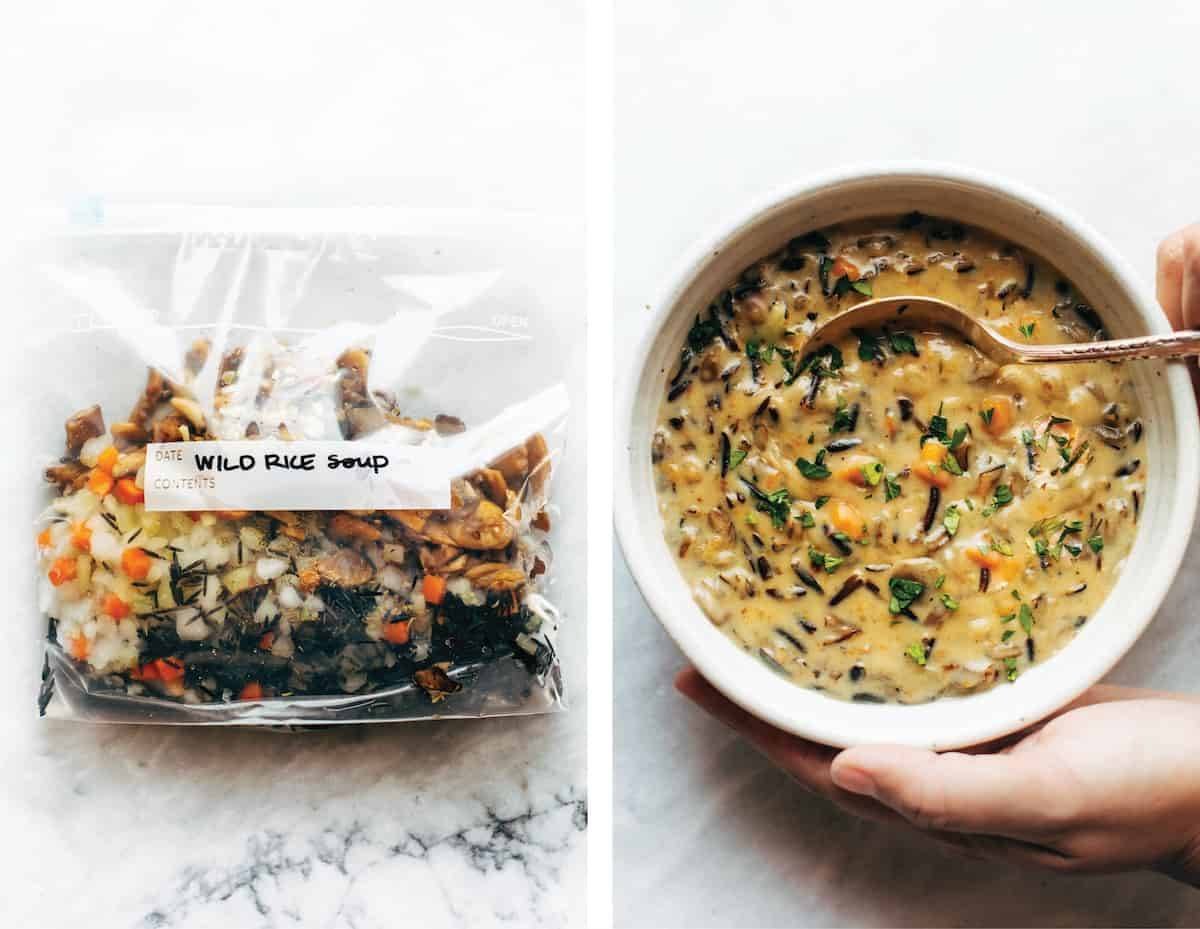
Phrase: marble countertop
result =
(721, 103)
(455, 823)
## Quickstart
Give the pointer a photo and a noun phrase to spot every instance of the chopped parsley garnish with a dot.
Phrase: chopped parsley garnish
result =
(736, 457)
(1027, 330)
(1010, 665)
(863, 287)
(777, 504)
(902, 343)
(1096, 544)
(1079, 451)
(917, 653)
(891, 487)
(937, 428)
(950, 463)
(703, 332)
(1026, 437)
(826, 361)
(1025, 618)
(949, 602)
(820, 502)
(806, 520)
(904, 593)
(951, 519)
(868, 346)
(814, 470)
(764, 353)
(819, 559)
(1003, 497)
(873, 472)
(1008, 634)
(845, 418)
(960, 436)
(1004, 548)
(940, 581)
(986, 415)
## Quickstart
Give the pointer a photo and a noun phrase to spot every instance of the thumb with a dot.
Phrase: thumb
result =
(1005, 794)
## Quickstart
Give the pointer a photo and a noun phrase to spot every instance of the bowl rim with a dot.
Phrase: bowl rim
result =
(1170, 549)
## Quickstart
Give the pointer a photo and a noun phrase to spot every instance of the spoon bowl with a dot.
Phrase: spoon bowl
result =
(910, 312)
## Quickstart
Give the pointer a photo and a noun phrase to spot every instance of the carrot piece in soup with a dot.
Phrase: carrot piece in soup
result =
(844, 267)
(1000, 418)
(252, 691)
(930, 468)
(847, 519)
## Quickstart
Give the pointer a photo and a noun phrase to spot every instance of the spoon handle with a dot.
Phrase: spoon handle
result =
(1181, 344)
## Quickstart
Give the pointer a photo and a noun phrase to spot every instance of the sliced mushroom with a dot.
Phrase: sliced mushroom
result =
(344, 568)
(495, 577)
(81, 426)
(346, 528)
(156, 392)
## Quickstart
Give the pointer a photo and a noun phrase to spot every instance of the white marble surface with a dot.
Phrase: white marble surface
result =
(1091, 103)
(461, 823)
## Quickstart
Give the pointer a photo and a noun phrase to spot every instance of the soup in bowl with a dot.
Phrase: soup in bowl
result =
(798, 522)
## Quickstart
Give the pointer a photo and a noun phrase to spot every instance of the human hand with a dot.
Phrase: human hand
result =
(1110, 784)
(1178, 277)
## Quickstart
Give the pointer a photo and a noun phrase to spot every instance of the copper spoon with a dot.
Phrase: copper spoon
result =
(908, 312)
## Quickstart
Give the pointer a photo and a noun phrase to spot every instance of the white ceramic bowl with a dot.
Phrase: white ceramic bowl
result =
(1172, 440)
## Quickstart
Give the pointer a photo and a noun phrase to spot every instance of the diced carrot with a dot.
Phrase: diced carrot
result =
(81, 537)
(396, 633)
(985, 558)
(266, 641)
(232, 514)
(843, 266)
(1000, 419)
(433, 589)
(107, 460)
(193, 516)
(847, 519)
(99, 482)
(168, 669)
(127, 491)
(43, 538)
(930, 468)
(115, 607)
(135, 563)
(852, 470)
(252, 691)
(889, 423)
(63, 570)
(78, 646)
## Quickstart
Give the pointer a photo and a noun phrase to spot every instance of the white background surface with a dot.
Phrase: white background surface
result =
(463, 105)
(1093, 104)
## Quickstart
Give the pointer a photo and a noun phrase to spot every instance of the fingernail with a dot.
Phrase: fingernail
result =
(853, 780)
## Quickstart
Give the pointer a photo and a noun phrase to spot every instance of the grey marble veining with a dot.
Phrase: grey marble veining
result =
(504, 867)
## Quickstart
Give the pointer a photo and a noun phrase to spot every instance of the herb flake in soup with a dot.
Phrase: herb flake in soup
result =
(895, 517)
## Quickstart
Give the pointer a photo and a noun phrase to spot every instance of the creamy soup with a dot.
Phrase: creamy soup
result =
(895, 517)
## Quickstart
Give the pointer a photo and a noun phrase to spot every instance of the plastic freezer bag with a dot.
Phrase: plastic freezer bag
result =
(304, 478)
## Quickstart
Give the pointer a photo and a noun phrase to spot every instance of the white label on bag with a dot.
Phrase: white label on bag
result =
(274, 475)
